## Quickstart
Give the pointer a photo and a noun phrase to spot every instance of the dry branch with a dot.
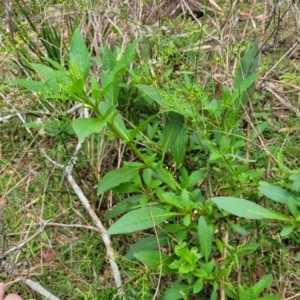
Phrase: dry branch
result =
(102, 230)
(35, 286)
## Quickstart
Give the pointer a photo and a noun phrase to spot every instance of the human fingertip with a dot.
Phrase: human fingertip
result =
(13, 297)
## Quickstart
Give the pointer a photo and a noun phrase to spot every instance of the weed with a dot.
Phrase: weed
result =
(183, 166)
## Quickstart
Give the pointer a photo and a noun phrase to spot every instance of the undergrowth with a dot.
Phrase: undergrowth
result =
(181, 136)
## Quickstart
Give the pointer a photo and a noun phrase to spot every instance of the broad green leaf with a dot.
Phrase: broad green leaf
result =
(214, 295)
(184, 173)
(112, 87)
(85, 127)
(77, 87)
(154, 94)
(296, 182)
(292, 206)
(63, 80)
(223, 272)
(239, 229)
(200, 273)
(31, 85)
(278, 216)
(215, 156)
(123, 206)
(230, 293)
(166, 177)
(194, 178)
(152, 259)
(115, 178)
(108, 59)
(267, 279)
(296, 186)
(120, 127)
(247, 73)
(295, 177)
(209, 266)
(188, 204)
(94, 82)
(241, 207)
(96, 91)
(48, 76)
(173, 228)
(148, 243)
(147, 176)
(107, 110)
(134, 164)
(276, 194)
(154, 184)
(96, 94)
(240, 94)
(171, 129)
(127, 57)
(140, 219)
(110, 77)
(205, 238)
(80, 55)
(286, 231)
(178, 147)
(176, 292)
(173, 200)
(247, 295)
(198, 286)
(126, 187)
(264, 283)
(187, 220)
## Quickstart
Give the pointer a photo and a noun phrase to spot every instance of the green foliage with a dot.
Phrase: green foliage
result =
(139, 219)
(115, 178)
(241, 208)
(253, 292)
(79, 61)
(187, 258)
(204, 238)
(86, 127)
(173, 149)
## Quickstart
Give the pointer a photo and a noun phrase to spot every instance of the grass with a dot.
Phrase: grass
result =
(70, 261)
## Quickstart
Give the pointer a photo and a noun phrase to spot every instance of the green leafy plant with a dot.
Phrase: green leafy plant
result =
(164, 179)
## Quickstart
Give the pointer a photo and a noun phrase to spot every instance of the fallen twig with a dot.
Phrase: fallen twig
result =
(102, 230)
(6, 118)
(35, 286)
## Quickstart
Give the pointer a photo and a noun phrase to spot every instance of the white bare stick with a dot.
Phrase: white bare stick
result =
(6, 118)
(96, 220)
(51, 160)
(72, 226)
(35, 286)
